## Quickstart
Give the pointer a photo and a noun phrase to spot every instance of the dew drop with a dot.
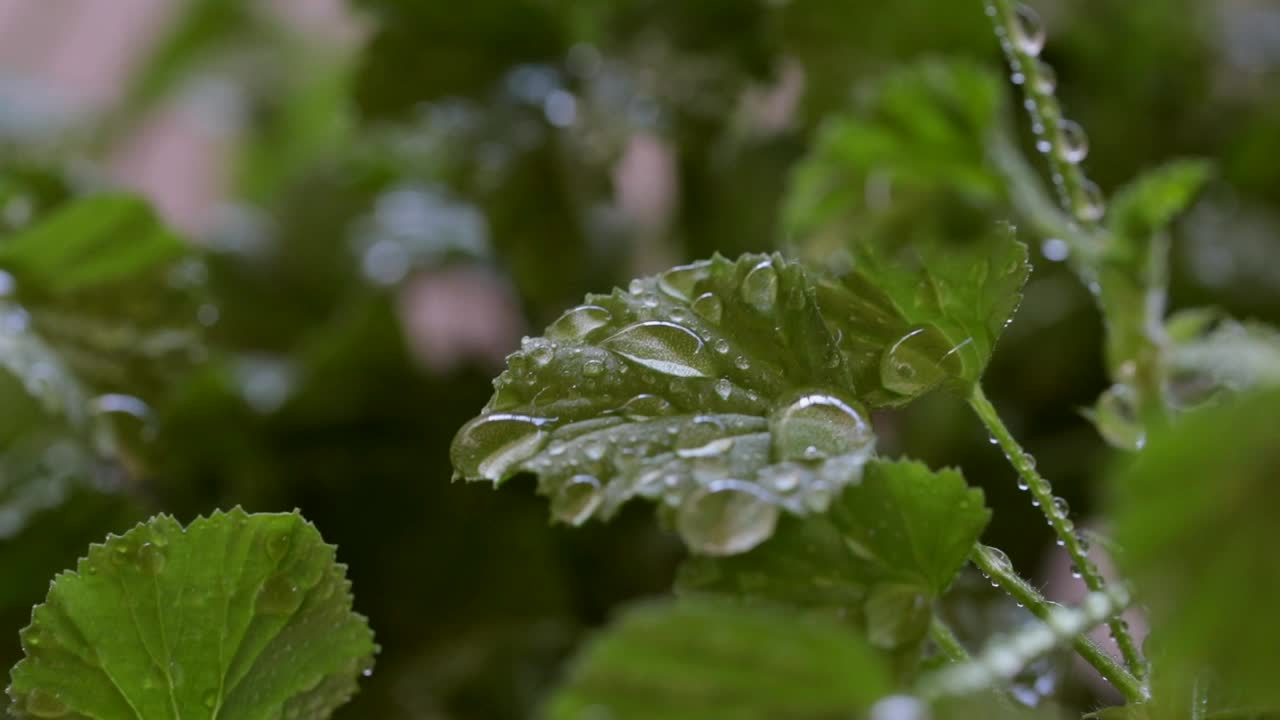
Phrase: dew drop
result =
(1029, 460)
(1116, 418)
(818, 426)
(278, 545)
(1060, 507)
(44, 704)
(541, 351)
(1028, 30)
(741, 362)
(760, 286)
(1000, 559)
(664, 347)
(493, 445)
(709, 307)
(1073, 143)
(1090, 206)
(716, 447)
(1075, 571)
(679, 282)
(722, 346)
(1046, 77)
(1023, 484)
(918, 361)
(279, 596)
(577, 499)
(727, 517)
(646, 406)
(783, 478)
(724, 388)
(593, 368)
(151, 558)
(579, 322)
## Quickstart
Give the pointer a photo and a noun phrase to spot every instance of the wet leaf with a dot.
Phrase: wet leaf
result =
(237, 615)
(731, 391)
(707, 659)
(1190, 515)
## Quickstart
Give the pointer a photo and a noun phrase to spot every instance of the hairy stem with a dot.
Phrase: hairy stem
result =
(1075, 191)
(1042, 493)
(946, 640)
(992, 564)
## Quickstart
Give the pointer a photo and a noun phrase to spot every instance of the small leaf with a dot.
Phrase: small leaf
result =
(915, 526)
(1191, 515)
(236, 616)
(99, 239)
(1233, 355)
(706, 660)
(732, 390)
(1148, 204)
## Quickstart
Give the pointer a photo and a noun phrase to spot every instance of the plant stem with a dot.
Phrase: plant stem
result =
(1046, 116)
(946, 640)
(1042, 492)
(998, 570)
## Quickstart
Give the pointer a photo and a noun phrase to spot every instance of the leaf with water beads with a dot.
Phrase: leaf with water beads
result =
(717, 389)
(707, 659)
(237, 615)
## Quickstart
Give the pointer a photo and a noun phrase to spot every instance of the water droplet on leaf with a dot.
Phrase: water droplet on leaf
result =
(44, 704)
(726, 518)
(579, 322)
(577, 499)
(709, 307)
(760, 286)
(150, 559)
(662, 346)
(279, 596)
(1046, 77)
(646, 406)
(817, 426)
(491, 446)
(679, 282)
(918, 361)
(1090, 207)
(724, 388)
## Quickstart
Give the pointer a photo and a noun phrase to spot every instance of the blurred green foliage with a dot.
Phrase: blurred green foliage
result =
(275, 362)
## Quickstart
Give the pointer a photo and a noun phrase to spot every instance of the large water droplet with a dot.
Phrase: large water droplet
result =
(491, 446)
(662, 346)
(817, 426)
(1116, 418)
(727, 517)
(44, 704)
(999, 559)
(646, 406)
(679, 282)
(709, 307)
(718, 446)
(1046, 77)
(579, 322)
(1073, 143)
(1090, 206)
(760, 286)
(918, 361)
(724, 388)
(279, 596)
(577, 499)
(1028, 30)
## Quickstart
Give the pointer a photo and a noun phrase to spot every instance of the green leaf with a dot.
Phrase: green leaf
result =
(235, 616)
(1147, 205)
(1191, 515)
(915, 526)
(706, 660)
(1232, 355)
(730, 390)
(885, 550)
(99, 239)
(921, 133)
(111, 289)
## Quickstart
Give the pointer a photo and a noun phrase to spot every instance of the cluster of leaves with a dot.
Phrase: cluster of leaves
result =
(820, 570)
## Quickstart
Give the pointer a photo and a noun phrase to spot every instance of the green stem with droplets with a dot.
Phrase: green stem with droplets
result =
(946, 640)
(1000, 573)
(1133, 306)
(1042, 492)
(1045, 113)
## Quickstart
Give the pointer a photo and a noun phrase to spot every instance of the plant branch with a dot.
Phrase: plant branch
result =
(996, 567)
(1078, 195)
(1063, 528)
(946, 640)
